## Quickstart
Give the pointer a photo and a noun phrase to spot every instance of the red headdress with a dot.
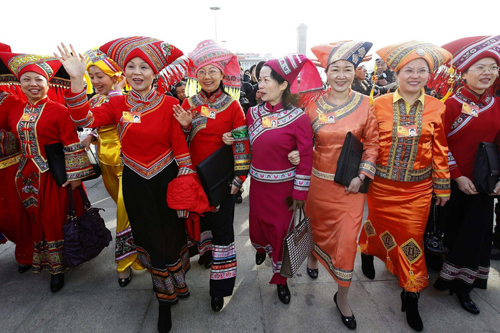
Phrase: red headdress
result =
(289, 67)
(466, 52)
(209, 52)
(163, 58)
(47, 66)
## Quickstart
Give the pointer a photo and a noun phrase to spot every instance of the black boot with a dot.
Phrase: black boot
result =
(164, 318)
(463, 294)
(260, 257)
(409, 303)
(284, 293)
(56, 282)
(217, 303)
(367, 266)
(23, 268)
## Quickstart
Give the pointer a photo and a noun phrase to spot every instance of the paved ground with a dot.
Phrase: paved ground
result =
(92, 301)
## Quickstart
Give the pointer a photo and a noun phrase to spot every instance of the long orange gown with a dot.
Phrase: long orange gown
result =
(409, 170)
(336, 217)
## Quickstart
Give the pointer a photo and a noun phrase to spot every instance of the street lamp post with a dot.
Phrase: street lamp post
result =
(215, 9)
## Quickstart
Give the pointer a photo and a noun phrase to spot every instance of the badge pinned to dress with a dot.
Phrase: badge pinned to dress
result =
(327, 118)
(208, 112)
(270, 122)
(407, 131)
(30, 117)
(131, 117)
(470, 109)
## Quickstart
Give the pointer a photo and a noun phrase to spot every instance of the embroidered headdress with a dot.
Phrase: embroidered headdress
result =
(398, 55)
(47, 66)
(466, 52)
(351, 51)
(96, 57)
(163, 58)
(209, 52)
(289, 67)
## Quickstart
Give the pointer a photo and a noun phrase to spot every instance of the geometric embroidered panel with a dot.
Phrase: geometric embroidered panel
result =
(388, 241)
(411, 250)
(369, 229)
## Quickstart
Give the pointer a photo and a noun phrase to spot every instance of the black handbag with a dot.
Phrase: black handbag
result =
(349, 161)
(487, 167)
(434, 239)
(216, 173)
(85, 236)
(57, 163)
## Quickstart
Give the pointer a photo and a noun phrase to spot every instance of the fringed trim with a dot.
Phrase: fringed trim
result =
(363, 248)
(389, 265)
(414, 283)
(310, 97)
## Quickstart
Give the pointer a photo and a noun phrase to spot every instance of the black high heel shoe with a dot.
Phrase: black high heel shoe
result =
(23, 268)
(260, 257)
(312, 272)
(409, 303)
(164, 319)
(466, 302)
(124, 282)
(56, 282)
(217, 303)
(349, 322)
(367, 266)
(284, 293)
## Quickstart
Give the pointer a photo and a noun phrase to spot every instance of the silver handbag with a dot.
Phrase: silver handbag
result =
(297, 244)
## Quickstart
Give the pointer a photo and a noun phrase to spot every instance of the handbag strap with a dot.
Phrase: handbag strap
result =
(71, 208)
(300, 212)
(85, 199)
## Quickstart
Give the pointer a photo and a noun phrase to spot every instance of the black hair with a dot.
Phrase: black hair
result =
(288, 98)
(251, 68)
(180, 84)
(258, 67)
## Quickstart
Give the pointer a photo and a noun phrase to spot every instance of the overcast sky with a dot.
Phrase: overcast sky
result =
(252, 26)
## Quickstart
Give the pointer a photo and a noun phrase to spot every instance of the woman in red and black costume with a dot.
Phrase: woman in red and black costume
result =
(472, 116)
(212, 110)
(35, 124)
(154, 152)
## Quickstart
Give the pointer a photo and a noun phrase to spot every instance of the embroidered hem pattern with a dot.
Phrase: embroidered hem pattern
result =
(48, 256)
(125, 245)
(224, 262)
(452, 272)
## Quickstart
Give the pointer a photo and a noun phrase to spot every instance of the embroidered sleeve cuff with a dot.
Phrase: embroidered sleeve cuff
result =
(301, 183)
(77, 162)
(237, 182)
(443, 195)
(441, 184)
(367, 168)
(185, 165)
(75, 100)
(9, 144)
(183, 214)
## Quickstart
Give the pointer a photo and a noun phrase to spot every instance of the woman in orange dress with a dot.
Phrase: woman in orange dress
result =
(411, 166)
(336, 211)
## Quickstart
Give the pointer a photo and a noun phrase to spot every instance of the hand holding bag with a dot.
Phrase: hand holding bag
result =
(297, 244)
(85, 236)
(434, 239)
(349, 161)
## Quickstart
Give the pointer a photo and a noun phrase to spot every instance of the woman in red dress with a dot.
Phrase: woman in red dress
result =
(38, 123)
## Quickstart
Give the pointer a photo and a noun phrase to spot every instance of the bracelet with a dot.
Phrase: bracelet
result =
(362, 180)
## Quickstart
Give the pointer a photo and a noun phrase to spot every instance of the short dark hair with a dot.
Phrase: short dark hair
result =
(288, 98)
(258, 68)
(180, 84)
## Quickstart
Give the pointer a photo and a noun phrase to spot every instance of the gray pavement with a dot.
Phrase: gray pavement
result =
(92, 301)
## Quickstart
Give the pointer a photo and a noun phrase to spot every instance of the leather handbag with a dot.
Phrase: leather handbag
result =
(85, 236)
(487, 167)
(297, 244)
(434, 239)
(216, 173)
(57, 163)
(349, 161)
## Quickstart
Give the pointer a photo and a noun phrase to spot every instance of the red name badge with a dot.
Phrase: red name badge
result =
(270, 122)
(407, 131)
(131, 117)
(208, 112)
(31, 117)
(470, 109)
(327, 118)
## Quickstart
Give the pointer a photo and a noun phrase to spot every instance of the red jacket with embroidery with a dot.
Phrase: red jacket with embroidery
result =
(148, 147)
(205, 134)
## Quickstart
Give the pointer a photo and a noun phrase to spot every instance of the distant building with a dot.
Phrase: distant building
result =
(247, 60)
(302, 39)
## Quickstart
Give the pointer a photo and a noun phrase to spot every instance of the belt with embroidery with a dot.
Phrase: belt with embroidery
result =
(323, 175)
(403, 174)
(271, 176)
